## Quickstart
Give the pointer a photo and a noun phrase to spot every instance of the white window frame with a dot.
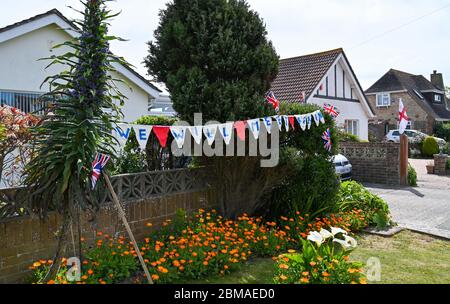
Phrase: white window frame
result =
(25, 104)
(383, 99)
(352, 126)
(437, 98)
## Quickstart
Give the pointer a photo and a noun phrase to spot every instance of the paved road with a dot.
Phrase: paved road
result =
(425, 208)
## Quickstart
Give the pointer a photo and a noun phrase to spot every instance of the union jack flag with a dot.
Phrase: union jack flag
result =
(97, 167)
(270, 97)
(332, 110)
(327, 140)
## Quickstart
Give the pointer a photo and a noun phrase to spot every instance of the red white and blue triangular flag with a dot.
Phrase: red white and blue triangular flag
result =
(142, 135)
(268, 122)
(197, 134)
(255, 127)
(316, 116)
(100, 162)
(286, 122)
(162, 134)
(240, 127)
(279, 120)
(309, 120)
(301, 119)
(226, 130)
(210, 133)
(179, 134)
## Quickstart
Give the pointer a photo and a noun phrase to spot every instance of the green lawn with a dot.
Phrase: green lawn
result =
(406, 258)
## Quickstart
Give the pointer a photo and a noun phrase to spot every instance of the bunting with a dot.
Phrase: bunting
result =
(179, 134)
(162, 134)
(226, 130)
(255, 127)
(210, 133)
(122, 132)
(240, 129)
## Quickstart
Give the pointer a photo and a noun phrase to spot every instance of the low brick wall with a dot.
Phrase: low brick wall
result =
(373, 162)
(26, 239)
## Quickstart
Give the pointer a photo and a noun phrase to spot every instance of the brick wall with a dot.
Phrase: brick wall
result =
(420, 118)
(25, 239)
(374, 162)
(440, 164)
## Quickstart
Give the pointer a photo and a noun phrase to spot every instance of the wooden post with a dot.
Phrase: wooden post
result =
(404, 154)
(127, 226)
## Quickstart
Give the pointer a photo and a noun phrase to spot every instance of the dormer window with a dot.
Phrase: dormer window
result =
(383, 100)
(437, 98)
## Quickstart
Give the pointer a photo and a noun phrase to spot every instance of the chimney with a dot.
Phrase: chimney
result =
(437, 80)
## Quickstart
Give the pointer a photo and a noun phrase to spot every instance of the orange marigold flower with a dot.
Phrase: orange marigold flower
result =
(36, 264)
(312, 263)
(283, 266)
(205, 263)
(90, 272)
(51, 282)
(304, 280)
(283, 277)
(149, 225)
(155, 277)
(326, 274)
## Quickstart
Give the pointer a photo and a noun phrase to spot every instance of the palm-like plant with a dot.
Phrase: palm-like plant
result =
(78, 123)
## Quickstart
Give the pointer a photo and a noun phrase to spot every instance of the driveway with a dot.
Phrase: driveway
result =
(425, 208)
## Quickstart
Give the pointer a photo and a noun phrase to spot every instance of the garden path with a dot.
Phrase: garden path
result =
(425, 208)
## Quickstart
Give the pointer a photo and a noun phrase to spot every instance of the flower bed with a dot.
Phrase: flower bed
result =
(192, 248)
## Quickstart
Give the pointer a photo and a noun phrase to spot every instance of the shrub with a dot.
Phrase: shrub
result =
(448, 164)
(323, 260)
(353, 195)
(443, 131)
(446, 149)
(412, 176)
(430, 147)
(215, 59)
(312, 189)
(347, 137)
(310, 185)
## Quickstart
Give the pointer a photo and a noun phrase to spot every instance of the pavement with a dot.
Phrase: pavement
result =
(425, 208)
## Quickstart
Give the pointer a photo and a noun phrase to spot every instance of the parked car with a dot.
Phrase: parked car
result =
(343, 167)
(414, 137)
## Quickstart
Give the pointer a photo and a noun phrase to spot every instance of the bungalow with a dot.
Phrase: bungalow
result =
(326, 77)
(21, 74)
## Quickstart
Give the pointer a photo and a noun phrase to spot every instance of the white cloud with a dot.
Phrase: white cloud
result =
(302, 26)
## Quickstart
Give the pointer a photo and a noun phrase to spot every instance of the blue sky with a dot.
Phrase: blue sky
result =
(409, 35)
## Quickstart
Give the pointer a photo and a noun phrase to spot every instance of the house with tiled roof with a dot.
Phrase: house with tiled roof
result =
(21, 72)
(326, 77)
(425, 101)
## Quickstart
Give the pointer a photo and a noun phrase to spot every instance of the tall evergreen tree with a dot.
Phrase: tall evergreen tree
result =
(215, 58)
(78, 124)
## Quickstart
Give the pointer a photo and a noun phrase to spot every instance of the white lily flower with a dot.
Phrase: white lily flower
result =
(351, 241)
(326, 234)
(336, 231)
(316, 237)
(344, 244)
